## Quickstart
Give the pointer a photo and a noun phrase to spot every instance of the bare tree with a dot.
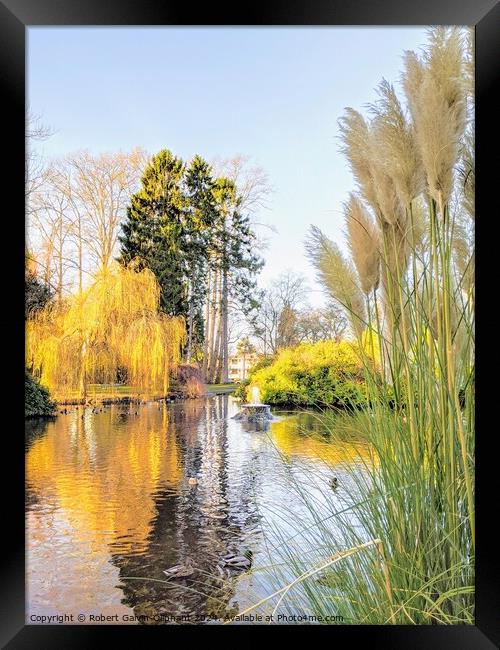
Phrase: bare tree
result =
(251, 180)
(76, 210)
(276, 320)
(100, 187)
(321, 324)
(35, 131)
(50, 223)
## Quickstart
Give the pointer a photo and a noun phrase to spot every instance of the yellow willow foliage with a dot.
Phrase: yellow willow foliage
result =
(152, 348)
(114, 323)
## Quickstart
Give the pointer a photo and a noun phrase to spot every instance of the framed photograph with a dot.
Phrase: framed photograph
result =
(249, 321)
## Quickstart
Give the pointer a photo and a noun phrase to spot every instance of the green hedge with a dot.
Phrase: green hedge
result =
(37, 401)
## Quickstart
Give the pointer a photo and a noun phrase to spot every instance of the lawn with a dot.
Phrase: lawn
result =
(221, 388)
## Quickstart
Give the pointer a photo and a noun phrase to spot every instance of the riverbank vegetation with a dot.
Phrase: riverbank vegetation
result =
(324, 374)
(113, 325)
(37, 402)
(409, 276)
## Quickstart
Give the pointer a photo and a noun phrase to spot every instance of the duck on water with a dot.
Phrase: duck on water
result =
(229, 565)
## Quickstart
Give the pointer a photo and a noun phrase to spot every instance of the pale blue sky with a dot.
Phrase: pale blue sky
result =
(274, 94)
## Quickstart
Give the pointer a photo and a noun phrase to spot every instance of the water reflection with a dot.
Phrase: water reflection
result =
(110, 505)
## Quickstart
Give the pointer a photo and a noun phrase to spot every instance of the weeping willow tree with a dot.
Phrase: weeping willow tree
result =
(115, 323)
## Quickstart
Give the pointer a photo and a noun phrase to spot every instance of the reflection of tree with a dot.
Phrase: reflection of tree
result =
(194, 524)
(35, 429)
(116, 482)
(104, 469)
(304, 435)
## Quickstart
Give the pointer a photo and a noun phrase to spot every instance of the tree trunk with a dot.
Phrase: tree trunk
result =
(82, 383)
(190, 326)
(216, 353)
(60, 278)
(80, 255)
(207, 326)
(224, 317)
(213, 318)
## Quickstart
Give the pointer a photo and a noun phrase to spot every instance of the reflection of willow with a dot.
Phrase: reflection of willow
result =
(196, 525)
(311, 444)
(104, 473)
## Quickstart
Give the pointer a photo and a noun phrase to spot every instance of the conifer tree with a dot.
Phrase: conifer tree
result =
(200, 218)
(152, 233)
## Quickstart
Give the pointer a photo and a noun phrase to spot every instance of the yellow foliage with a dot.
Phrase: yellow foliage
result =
(326, 372)
(114, 323)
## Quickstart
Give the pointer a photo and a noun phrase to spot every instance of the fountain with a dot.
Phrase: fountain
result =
(255, 411)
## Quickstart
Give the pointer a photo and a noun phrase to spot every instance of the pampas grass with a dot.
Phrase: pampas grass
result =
(356, 137)
(419, 498)
(338, 276)
(375, 184)
(435, 93)
(395, 148)
(364, 243)
(467, 176)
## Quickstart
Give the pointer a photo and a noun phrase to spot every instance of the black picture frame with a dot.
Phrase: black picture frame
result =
(15, 17)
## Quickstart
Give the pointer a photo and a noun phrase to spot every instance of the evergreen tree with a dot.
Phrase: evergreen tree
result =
(190, 231)
(36, 294)
(200, 218)
(37, 402)
(152, 233)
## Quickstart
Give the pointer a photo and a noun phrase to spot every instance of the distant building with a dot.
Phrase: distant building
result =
(240, 364)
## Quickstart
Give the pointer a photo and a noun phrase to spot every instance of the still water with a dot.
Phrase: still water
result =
(110, 507)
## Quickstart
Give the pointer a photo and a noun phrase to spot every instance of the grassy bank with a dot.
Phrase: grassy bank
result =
(119, 393)
(221, 389)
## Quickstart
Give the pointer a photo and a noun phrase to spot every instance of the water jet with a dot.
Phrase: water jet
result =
(254, 410)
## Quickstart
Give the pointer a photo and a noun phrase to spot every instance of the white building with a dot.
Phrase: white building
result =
(240, 364)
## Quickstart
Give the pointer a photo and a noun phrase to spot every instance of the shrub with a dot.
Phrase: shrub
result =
(241, 390)
(193, 388)
(189, 379)
(313, 374)
(37, 401)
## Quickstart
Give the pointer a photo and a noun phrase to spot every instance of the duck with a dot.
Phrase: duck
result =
(334, 482)
(180, 570)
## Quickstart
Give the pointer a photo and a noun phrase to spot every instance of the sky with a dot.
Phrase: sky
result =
(273, 94)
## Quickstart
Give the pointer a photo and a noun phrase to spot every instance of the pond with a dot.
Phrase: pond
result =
(110, 507)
